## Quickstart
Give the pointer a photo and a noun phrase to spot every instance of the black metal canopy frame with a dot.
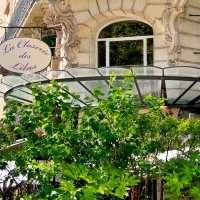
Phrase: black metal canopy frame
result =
(180, 86)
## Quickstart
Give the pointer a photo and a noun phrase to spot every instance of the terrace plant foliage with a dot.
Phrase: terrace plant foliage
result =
(97, 152)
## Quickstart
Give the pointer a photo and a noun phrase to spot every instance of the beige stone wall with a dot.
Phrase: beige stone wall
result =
(190, 35)
(93, 15)
(3, 17)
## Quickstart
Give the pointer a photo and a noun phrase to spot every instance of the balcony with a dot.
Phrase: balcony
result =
(22, 9)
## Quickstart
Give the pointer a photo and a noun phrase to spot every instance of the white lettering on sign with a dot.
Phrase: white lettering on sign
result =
(24, 55)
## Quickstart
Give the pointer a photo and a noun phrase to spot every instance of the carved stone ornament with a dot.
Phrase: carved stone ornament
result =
(61, 14)
(36, 33)
(171, 23)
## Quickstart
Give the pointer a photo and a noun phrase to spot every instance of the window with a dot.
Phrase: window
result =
(49, 37)
(125, 43)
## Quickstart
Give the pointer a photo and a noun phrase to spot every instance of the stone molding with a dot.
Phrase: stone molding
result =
(98, 14)
(171, 22)
(36, 33)
(60, 14)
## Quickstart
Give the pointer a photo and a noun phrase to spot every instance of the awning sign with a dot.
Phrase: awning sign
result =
(24, 55)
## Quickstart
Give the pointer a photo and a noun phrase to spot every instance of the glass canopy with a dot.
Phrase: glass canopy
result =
(180, 86)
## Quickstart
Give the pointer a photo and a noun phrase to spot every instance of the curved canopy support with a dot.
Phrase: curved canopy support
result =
(180, 86)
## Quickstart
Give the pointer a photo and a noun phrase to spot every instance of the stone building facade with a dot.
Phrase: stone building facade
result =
(77, 25)
(176, 33)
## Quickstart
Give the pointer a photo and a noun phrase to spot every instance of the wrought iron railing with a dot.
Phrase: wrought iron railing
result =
(20, 13)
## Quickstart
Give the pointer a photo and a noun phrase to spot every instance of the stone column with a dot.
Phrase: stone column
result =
(36, 33)
(171, 23)
(61, 14)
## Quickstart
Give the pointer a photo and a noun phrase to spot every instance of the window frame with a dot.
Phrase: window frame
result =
(121, 39)
(145, 44)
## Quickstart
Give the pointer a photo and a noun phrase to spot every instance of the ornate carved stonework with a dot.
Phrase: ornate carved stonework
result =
(61, 14)
(171, 23)
(36, 33)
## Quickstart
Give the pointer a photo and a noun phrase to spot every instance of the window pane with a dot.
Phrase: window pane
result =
(126, 53)
(182, 71)
(150, 51)
(191, 94)
(51, 42)
(175, 88)
(126, 29)
(149, 87)
(102, 54)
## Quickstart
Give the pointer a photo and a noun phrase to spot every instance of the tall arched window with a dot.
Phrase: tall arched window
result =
(125, 43)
